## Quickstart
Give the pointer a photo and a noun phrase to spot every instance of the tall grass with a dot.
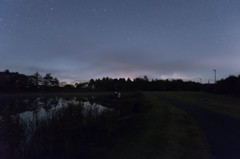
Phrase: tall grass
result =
(12, 137)
(68, 130)
(73, 131)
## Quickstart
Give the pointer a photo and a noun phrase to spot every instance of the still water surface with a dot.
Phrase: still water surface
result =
(34, 108)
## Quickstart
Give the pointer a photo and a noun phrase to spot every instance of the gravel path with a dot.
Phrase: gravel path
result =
(222, 131)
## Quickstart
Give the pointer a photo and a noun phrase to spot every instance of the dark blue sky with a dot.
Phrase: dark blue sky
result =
(83, 39)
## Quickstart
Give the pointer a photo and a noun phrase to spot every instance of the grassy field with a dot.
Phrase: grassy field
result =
(220, 103)
(162, 131)
(143, 127)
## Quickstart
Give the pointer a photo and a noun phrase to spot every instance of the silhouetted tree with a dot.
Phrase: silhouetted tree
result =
(13, 81)
(37, 80)
(230, 85)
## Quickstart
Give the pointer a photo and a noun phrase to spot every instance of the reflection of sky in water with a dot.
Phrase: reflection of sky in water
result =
(29, 118)
(17, 104)
(41, 113)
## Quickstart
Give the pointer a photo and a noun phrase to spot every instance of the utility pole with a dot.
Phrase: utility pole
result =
(215, 75)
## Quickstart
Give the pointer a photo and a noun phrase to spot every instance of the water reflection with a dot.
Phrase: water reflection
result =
(26, 122)
(46, 108)
(15, 104)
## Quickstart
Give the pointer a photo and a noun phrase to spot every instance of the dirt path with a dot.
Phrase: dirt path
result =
(222, 131)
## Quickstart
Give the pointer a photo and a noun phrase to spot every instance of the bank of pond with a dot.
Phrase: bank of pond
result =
(64, 126)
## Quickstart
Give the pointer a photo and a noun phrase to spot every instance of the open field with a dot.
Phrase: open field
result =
(219, 103)
(216, 117)
(162, 131)
(144, 127)
(166, 125)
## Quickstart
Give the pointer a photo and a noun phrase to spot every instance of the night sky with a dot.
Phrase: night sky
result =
(84, 39)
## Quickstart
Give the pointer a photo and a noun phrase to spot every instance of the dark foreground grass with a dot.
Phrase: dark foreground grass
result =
(69, 132)
(162, 131)
(141, 126)
(220, 103)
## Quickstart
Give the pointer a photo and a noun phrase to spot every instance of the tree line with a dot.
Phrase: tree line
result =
(14, 81)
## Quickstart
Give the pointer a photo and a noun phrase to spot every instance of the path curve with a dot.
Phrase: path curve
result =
(222, 131)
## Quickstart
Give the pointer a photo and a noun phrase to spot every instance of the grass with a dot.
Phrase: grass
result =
(69, 132)
(141, 127)
(162, 131)
(219, 103)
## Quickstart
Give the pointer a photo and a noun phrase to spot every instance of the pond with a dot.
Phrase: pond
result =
(18, 103)
(58, 120)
